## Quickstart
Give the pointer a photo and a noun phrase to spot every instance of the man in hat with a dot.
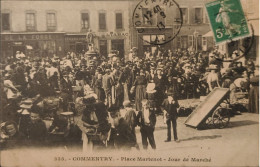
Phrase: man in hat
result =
(66, 90)
(147, 120)
(107, 84)
(169, 108)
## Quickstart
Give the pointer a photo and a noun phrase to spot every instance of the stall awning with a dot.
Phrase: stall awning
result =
(208, 34)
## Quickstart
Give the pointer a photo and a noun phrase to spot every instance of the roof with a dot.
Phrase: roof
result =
(208, 34)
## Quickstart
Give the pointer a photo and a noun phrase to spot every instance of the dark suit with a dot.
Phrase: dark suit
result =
(171, 117)
(147, 129)
(66, 92)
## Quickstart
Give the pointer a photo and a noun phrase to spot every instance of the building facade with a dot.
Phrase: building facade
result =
(195, 25)
(44, 28)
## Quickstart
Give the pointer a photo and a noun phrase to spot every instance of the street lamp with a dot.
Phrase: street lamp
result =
(195, 34)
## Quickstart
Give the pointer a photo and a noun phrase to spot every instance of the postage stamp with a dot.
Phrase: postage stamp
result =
(227, 20)
(158, 15)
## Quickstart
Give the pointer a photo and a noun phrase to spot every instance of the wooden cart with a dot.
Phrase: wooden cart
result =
(214, 110)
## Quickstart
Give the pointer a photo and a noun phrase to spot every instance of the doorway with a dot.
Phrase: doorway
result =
(119, 45)
(16, 48)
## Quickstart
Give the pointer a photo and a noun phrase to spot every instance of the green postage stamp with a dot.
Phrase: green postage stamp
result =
(227, 20)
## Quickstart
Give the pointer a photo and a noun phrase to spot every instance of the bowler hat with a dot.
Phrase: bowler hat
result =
(170, 92)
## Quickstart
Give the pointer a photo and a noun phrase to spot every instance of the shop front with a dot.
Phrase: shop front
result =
(108, 41)
(32, 44)
(76, 43)
(145, 41)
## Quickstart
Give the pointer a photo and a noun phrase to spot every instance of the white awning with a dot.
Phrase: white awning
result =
(208, 34)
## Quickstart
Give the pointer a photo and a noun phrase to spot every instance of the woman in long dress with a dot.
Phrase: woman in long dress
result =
(253, 105)
(140, 94)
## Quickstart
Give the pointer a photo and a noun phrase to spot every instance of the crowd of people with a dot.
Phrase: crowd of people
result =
(147, 83)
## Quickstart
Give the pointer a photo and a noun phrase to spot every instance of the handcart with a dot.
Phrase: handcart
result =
(214, 110)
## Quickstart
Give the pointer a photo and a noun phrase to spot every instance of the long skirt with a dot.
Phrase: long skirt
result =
(253, 105)
(140, 94)
(100, 94)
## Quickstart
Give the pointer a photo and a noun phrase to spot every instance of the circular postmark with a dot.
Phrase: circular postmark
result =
(161, 16)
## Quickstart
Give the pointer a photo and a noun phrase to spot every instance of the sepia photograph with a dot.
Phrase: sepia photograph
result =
(129, 83)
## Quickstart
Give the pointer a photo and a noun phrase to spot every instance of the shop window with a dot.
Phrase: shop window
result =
(103, 47)
(198, 15)
(190, 41)
(48, 48)
(84, 21)
(119, 21)
(5, 21)
(184, 42)
(199, 42)
(102, 21)
(51, 21)
(30, 22)
(146, 39)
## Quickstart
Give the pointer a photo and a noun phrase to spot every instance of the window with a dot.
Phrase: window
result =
(184, 12)
(146, 39)
(198, 15)
(119, 21)
(148, 18)
(102, 21)
(161, 16)
(51, 21)
(5, 21)
(184, 42)
(30, 22)
(84, 21)
(184, 15)
(190, 40)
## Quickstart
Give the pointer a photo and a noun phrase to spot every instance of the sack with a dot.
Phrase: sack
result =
(132, 90)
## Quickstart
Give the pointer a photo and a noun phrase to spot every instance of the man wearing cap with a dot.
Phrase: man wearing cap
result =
(169, 107)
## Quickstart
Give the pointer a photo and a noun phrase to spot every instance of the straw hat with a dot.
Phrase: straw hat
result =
(150, 88)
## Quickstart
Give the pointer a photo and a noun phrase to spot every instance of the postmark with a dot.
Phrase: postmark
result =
(227, 20)
(157, 15)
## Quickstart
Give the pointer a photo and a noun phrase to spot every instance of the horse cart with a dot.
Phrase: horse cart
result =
(213, 111)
